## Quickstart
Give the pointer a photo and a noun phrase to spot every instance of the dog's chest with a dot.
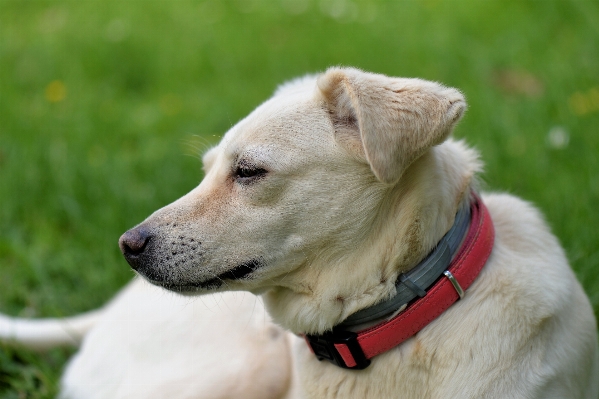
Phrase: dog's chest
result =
(404, 372)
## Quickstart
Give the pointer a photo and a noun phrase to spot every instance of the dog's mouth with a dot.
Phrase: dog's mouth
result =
(239, 272)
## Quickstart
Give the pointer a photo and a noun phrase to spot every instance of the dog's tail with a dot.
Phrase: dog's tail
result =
(41, 334)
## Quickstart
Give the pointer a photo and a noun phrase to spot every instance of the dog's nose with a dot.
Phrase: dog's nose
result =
(133, 244)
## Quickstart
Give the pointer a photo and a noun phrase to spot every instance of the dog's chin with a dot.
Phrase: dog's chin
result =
(190, 289)
(233, 276)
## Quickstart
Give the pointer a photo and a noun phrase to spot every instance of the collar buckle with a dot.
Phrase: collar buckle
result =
(339, 347)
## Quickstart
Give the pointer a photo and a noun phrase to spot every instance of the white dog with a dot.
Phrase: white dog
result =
(343, 204)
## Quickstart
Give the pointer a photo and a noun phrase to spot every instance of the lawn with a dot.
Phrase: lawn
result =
(105, 107)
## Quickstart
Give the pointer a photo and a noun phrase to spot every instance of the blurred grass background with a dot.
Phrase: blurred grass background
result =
(105, 107)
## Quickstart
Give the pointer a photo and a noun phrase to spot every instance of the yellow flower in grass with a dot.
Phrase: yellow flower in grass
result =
(56, 91)
(583, 103)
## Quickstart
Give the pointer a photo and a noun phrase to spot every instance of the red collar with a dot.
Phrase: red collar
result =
(353, 350)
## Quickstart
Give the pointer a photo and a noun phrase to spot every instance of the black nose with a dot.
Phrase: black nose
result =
(133, 244)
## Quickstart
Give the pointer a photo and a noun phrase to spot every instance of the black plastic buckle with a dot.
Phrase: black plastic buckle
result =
(324, 348)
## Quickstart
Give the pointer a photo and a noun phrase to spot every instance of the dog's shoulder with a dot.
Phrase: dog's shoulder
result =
(520, 225)
(531, 298)
(527, 261)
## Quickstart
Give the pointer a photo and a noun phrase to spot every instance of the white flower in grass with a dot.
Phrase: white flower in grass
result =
(558, 138)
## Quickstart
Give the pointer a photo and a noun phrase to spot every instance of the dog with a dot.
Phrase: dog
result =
(344, 204)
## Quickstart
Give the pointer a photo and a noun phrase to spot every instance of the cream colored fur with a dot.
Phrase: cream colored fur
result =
(152, 344)
(358, 181)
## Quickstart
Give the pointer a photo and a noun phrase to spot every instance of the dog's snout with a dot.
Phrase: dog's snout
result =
(133, 244)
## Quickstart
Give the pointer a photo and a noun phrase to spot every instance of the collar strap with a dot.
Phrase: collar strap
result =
(353, 350)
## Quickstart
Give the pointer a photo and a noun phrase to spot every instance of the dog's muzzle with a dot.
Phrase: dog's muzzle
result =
(177, 267)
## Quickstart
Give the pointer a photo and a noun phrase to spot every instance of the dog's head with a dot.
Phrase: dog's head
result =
(302, 190)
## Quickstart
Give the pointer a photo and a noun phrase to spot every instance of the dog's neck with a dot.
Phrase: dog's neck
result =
(411, 218)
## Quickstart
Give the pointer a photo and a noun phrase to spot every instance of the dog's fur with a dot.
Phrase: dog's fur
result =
(318, 200)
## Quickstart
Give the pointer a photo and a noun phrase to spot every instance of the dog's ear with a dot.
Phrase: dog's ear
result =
(397, 119)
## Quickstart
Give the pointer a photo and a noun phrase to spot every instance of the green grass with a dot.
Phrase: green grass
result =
(105, 106)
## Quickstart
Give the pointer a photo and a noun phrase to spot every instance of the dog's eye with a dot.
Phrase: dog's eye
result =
(246, 173)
